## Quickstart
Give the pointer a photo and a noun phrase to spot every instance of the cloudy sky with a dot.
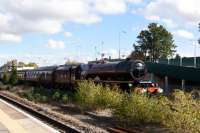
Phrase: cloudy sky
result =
(53, 31)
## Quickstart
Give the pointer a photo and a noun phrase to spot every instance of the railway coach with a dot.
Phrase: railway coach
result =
(126, 74)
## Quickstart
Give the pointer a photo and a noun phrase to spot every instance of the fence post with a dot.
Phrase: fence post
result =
(183, 84)
(168, 61)
(166, 85)
(152, 77)
(181, 61)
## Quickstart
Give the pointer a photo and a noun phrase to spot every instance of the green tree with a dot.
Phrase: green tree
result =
(154, 43)
(71, 62)
(13, 76)
(21, 64)
(32, 64)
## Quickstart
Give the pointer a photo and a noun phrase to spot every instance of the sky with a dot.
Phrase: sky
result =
(51, 32)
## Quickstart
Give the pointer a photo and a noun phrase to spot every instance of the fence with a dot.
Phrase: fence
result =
(187, 62)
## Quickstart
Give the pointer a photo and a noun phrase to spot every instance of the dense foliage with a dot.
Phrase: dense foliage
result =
(91, 95)
(154, 43)
(179, 113)
(13, 77)
(5, 78)
(30, 64)
(40, 94)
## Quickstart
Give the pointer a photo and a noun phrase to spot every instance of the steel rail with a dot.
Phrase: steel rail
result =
(51, 121)
(122, 130)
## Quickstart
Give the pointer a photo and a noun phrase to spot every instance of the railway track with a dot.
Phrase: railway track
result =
(62, 127)
(122, 130)
(51, 121)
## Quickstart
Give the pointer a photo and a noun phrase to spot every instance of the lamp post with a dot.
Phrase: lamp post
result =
(124, 32)
(195, 53)
(195, 59)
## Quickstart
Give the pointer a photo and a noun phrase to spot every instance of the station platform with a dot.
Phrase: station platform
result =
(14, 120)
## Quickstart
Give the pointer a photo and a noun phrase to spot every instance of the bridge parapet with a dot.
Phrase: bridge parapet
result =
(177, 72)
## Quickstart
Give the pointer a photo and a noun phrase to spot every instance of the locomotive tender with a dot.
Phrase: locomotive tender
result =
(126, 74)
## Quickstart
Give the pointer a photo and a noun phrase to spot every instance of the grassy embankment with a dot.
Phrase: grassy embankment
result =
(179, 112)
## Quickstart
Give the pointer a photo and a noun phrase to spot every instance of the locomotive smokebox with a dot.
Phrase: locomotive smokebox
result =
(138, 70)
(131, 69)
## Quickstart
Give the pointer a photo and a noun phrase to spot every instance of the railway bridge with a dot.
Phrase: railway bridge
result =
(176, 73)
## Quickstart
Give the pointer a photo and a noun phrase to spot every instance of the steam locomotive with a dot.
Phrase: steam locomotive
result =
(125, 73)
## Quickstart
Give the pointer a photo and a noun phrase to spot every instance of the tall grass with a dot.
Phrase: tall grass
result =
(96, 96)
(139, 109)
(180, 112)
(184, 114)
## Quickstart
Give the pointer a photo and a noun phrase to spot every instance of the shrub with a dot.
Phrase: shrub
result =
(184, 114)
(86, 93)
(180, 112)
(5, 78)
(96, 96)
(138, 109)
(37, 97)
(65, 98)
(13, 77)
(29, 95)
(108, 98)
(44, 99)
(56, 95)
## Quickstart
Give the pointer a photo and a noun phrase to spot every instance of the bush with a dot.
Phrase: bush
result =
(56, 95)
(65, 98)
(5, 78)
(108, 98)
(86, 93)
(94, 96)
(37, 97)
(184, 114)
(44, 99)
(180, 112)
(138, 109)
(29, 95)
(13, 77)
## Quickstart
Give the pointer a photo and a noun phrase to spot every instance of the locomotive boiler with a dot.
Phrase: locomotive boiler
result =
(128, 70)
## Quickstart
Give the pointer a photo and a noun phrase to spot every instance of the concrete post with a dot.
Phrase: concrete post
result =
(166, 85)
(152, 77)
(181, 61)
(183, 84)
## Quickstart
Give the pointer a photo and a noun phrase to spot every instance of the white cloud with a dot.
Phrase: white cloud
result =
(184, 34)
(110, 6)
(153, 18)
(68, 34)
(114, 53)
(10, 38)
(55, 44)
(170, 23)
(135, 1)
(48, 16)
(180, 11)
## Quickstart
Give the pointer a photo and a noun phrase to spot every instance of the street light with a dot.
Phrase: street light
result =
(195, 58)
(124, 32)
(195, 47)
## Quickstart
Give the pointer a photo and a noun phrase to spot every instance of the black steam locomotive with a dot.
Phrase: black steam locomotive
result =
(124, 73)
